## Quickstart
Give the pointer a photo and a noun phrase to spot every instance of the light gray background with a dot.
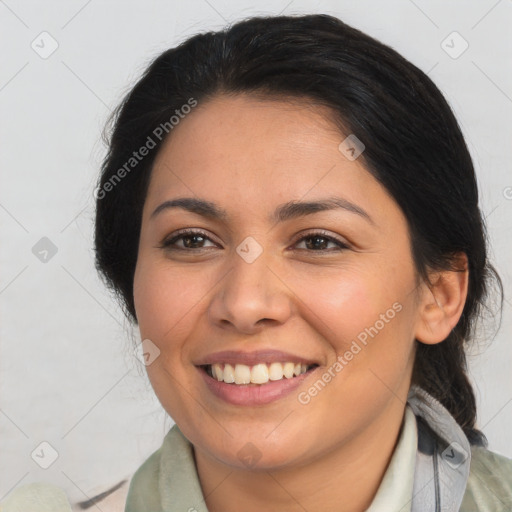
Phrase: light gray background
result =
(68, 374)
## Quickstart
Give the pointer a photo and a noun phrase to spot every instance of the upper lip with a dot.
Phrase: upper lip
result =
(234, 357)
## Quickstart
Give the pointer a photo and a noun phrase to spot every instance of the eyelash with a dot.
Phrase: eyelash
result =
(168, 243)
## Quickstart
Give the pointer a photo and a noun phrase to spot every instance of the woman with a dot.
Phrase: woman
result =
(289, 213)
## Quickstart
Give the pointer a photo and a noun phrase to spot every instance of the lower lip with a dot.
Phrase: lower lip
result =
(254, 394)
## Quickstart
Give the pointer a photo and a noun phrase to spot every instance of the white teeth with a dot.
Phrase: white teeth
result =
(276, 371)
(217, 372)
(242, 374)
(288, 370)
(229, 374)
(258, 374)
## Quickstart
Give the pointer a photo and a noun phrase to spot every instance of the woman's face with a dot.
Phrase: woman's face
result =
(271, 281)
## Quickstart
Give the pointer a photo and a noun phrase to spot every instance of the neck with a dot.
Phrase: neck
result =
(346, 478)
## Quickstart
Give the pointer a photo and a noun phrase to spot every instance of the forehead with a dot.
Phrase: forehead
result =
(252, 151)
(246, 132)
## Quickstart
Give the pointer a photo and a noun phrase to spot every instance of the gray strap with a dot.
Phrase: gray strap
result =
(443, 458)
(425, 494)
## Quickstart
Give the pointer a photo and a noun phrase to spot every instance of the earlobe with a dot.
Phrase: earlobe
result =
(443, 302)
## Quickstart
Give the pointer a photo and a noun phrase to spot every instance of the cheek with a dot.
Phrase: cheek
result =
(164, 298)
(345, 301)
(164, 302)
(365, 316)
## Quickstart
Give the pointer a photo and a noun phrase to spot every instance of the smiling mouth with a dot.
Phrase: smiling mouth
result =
(262, 373)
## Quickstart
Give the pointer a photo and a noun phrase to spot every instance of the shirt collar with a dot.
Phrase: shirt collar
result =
(395, 491)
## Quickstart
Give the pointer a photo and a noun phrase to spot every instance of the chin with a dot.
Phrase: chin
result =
(257, 452)
(252, 458)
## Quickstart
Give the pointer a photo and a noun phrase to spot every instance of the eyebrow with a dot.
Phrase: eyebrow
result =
(284, 212)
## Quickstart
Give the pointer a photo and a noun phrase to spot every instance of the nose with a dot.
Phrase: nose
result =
(250, 296)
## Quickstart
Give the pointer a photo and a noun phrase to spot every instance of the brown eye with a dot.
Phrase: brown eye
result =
(191, 239)
(318, 242)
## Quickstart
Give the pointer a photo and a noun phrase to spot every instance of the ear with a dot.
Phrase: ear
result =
(442, 302)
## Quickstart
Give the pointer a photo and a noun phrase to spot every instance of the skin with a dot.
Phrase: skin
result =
(248, 155)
